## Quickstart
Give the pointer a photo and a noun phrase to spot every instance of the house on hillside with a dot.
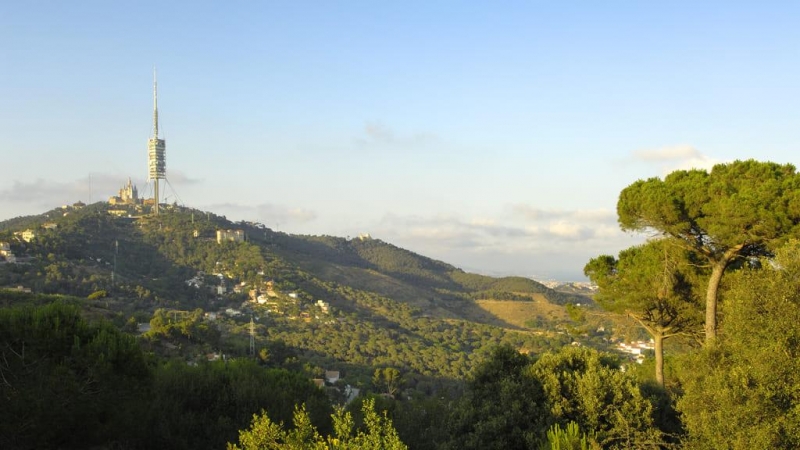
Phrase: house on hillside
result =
(331, 376)
(27, 235)
(324, 306)
(5, 252)
(195, 281)
(230, 235)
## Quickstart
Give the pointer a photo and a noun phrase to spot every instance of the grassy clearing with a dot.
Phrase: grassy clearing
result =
(521, 314)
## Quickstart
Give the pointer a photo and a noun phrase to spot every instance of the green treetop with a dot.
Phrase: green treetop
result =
(738, 210)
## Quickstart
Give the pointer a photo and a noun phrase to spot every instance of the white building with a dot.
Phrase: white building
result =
(27, 235)
(230, 235)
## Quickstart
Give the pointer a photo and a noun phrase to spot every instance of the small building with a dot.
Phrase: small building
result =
(49, 225)
(5, 252)
(351, 393)
(195, 281)
(27, 235)
(230, 235)
(19, 288)
(331, 376)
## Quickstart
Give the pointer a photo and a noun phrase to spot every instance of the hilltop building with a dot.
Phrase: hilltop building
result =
(128, 195)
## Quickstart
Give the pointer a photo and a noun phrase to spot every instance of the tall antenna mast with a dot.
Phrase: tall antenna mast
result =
(155, 104)
(156, 150)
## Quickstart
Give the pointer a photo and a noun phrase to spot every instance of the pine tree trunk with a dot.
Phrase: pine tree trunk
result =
(711, 301)
(658, 338)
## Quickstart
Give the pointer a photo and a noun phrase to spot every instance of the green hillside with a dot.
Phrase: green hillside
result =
(386, 306)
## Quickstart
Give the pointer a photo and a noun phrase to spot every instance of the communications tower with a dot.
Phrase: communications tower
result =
(156, 150)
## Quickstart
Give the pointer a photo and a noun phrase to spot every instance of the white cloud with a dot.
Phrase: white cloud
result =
(376, 133)
(532, 213)
(267, 213)
(679, 157)
(178, 177)
(570, 230)
(678, 152)
(526, 239)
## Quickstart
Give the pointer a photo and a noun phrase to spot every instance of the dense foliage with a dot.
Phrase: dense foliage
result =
(512, 401)
(65, 383)
(744, 393)
(69, 383)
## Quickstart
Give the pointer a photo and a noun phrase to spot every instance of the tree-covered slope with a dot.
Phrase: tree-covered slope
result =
(387, 306)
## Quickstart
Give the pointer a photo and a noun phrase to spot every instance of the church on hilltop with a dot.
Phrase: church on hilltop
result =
(128, 195)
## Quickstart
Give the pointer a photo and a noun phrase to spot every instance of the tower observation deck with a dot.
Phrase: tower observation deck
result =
(156, 151)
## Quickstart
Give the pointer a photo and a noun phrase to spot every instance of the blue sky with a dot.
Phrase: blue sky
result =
(493, 135)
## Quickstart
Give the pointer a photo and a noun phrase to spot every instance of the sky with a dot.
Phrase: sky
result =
(495, 136)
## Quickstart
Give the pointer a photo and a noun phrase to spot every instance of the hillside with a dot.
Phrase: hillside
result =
(329, 302)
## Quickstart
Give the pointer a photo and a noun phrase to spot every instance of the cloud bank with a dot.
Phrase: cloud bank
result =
(521, 240)
(49, 193)
(679, 157)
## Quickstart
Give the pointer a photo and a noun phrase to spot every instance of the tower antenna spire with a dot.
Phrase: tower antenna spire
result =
(155, 104)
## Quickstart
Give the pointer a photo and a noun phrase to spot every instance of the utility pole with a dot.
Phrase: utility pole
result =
(114, 271)
(252, 338)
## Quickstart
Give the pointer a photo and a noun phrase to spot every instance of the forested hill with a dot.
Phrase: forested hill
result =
(89, 233)
(391, 305)
(381, 267)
